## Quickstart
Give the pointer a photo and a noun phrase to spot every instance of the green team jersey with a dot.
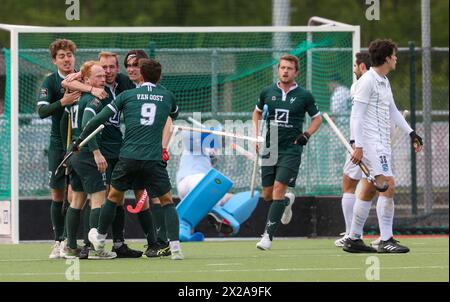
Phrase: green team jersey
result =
(145, 111)
(111, 137)
(124, 83)
(51, 91)
(84, 110)
(287, 112)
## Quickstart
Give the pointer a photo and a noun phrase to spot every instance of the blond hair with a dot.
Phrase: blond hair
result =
(105, 54)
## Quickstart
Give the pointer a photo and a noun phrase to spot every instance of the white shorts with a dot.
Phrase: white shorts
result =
(351, 170)
(378, 159)
(190, 182)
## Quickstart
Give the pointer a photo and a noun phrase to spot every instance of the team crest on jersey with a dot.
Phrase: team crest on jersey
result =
(62, 90)
(44, 92)
(274, 98)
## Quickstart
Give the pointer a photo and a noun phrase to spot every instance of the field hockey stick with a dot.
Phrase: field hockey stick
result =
(265, 115)
(347, 146)
(397, 130)
(79, 146)
(260, 139)
(66, 170)
(195, 122)
(139, 204)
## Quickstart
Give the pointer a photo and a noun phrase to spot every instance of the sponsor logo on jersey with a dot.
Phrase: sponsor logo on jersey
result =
(292, 100)
(281, 116)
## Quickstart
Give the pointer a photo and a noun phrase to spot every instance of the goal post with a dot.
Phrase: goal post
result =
(218, 71)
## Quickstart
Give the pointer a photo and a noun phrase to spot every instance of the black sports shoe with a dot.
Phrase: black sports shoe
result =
(221, 225)
(357, 246)
(84, 252)
(125, 252)
(391, 246)
(159, 249)
(164, 250)
(152, 250)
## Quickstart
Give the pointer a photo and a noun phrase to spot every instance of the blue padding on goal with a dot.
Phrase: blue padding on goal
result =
(238, 209)
(197, 203)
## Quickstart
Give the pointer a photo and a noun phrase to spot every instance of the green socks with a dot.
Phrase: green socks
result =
(146, 221)
(57, 219)
(172, 222)
(274, 216)
(86, 227)
(159, 221)
(94, 218)
(106, 216)
(118, 225)
(73, 221)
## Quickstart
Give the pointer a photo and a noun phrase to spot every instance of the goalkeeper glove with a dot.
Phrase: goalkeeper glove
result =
(302, 139)
(416, 140)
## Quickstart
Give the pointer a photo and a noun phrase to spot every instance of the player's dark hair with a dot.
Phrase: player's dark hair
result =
(380, 49)
(150, 70)
(61, 44)
(363, 58)
(136, 53)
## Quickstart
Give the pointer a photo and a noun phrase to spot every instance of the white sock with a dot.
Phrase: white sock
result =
(348, 201)
(174, 246)
(385, 213)
(360, 213)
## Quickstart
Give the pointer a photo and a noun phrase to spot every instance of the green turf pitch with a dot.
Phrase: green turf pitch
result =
(289, 260)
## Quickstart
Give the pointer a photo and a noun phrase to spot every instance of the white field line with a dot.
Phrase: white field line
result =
(223, 264)
(230, 271)
(255, 256)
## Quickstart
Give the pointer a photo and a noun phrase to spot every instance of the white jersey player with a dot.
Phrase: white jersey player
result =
(352, 173)
(370, 123)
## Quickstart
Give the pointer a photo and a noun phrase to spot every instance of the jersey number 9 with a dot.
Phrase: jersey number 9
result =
(148, 112)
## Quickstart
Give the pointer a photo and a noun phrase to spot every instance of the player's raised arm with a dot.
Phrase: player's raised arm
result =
(75, 85)
(99, 119)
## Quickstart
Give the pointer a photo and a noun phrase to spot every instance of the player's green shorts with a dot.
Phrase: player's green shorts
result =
(284, 171)
(55, 156)
(85, 176)
(140, 174)
(111, 164)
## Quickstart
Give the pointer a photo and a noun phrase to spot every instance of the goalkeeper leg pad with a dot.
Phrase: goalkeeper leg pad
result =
(198, 202)
(237, 210)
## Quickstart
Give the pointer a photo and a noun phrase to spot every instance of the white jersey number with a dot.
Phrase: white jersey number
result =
(74, 116)
(148, 112)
